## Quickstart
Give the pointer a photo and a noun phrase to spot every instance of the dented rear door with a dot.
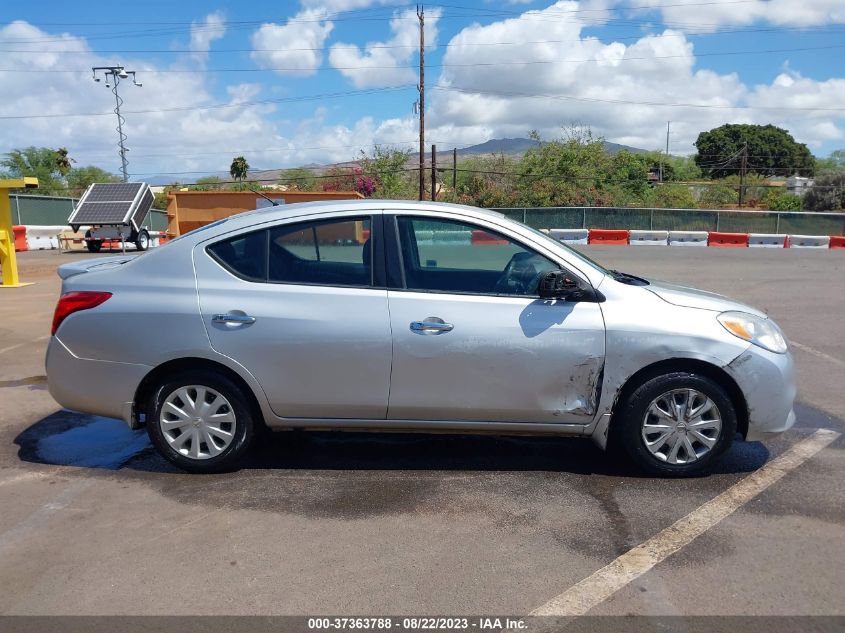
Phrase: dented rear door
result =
(505, 359)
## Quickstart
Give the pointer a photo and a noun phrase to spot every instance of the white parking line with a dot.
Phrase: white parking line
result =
(595, 589)
(17, 345)
(815, 352)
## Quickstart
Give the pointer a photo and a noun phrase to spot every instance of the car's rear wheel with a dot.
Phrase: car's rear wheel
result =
(200, 422)
(676, 424)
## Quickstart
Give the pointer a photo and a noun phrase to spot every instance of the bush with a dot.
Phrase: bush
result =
(827, 194)
(785, 202)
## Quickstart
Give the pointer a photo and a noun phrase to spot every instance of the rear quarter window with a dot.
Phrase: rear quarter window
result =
(244, 255)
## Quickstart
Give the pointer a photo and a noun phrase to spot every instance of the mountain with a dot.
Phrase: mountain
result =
(518, 146)
(507, 146)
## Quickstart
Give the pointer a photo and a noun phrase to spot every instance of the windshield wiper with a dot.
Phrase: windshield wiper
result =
(625, 278)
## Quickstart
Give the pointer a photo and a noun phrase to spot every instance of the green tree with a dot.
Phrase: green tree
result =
(575, 170)
(209, 183)
(78, 178)
(48, 165)
(239, 169)
(299, 179)
(827, 193)
(671, 196)
(770, 151)
(388, 168)
(834, 162)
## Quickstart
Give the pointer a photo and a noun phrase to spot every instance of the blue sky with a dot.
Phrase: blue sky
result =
(295, 82)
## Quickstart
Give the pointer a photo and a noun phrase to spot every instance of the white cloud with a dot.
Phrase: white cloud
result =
(495, 97)
(293, 48)
(693, 15)
(386, 63)
(92, 139)
(204, 33)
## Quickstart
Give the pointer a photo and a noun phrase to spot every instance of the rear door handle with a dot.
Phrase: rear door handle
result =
(431, 325)
(233, 318)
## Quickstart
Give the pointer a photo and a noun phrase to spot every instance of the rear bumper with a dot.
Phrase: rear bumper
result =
(92, 386)
(768, 382)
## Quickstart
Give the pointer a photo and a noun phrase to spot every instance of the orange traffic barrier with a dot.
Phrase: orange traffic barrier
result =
(20, 238)
(608, 236)
(733, 240)
(483, 237)
(837, 241)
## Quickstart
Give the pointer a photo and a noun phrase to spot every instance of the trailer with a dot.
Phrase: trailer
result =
(114, 212)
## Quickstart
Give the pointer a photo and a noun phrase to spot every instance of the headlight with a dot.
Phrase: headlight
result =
(762, 332)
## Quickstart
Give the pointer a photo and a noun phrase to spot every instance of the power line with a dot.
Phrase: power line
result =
(214, 106)
(451, 65)
(820, 30)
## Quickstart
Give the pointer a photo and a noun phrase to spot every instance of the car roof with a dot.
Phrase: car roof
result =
(288, 211)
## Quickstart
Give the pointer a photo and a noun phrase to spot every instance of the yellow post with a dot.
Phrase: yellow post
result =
(7, 235)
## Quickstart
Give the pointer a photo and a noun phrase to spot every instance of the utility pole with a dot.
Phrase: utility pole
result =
(433, 173)
(455, 170)
(743, 166)
(421, 88)
(113, 75)
(667, 150)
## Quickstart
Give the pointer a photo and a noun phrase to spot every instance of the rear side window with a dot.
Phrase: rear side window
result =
(245, 255)
(329, 252)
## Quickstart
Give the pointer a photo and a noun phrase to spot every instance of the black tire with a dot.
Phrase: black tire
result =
(142, 242)
(244, 427)
(94, 246)
(627, 425)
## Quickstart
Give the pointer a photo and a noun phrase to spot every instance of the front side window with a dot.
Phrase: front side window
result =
(451, 256)
(328, 252)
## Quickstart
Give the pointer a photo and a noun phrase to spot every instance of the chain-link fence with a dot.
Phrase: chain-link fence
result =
(731, 221)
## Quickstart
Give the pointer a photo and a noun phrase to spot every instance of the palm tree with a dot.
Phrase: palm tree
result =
(239, 168)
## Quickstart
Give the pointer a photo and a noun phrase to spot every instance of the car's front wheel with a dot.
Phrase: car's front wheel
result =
(676, 424)
(200, 422)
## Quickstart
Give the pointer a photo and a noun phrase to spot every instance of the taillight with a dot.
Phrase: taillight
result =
(74, 302)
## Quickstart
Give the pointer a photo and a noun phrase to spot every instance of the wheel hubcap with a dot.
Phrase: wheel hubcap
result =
(681, 426)
(197, 422)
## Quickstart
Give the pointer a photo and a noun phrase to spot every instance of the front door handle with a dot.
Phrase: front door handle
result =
(431, 325)
(233, 318)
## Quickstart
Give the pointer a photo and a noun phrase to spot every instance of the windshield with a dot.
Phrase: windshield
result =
(569, 249)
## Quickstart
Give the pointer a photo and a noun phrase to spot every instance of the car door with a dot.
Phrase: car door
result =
(299, 306)
(471, 339)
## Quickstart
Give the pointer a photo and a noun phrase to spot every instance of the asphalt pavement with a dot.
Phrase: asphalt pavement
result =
(94, 522)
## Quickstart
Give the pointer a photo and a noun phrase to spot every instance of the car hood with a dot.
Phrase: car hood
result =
(694, 298)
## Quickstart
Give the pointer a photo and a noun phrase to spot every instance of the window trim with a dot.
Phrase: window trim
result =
(393, 242)
(377, 264)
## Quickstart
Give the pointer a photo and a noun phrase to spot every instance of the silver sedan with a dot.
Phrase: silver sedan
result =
(387, 315)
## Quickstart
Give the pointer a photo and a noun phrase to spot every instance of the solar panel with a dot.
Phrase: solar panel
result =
(113, 203)
(114, 192)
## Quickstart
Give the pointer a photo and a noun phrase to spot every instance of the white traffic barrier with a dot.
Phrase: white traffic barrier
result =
(766, 240)
(809, 241)
(570, 236)
(648, 238)
(687, 238)
(40, 238)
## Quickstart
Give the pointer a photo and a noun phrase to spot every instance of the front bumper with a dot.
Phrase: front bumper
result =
(92, 386)
(767, 381)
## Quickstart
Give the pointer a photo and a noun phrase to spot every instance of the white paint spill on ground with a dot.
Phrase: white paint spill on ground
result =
(103, 443)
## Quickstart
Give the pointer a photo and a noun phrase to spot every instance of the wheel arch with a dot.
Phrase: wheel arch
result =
(691, 365)
(185, 365)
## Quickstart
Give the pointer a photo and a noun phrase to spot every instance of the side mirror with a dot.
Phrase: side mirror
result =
(556, 284)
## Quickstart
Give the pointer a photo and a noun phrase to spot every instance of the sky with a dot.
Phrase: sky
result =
(295, 82)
